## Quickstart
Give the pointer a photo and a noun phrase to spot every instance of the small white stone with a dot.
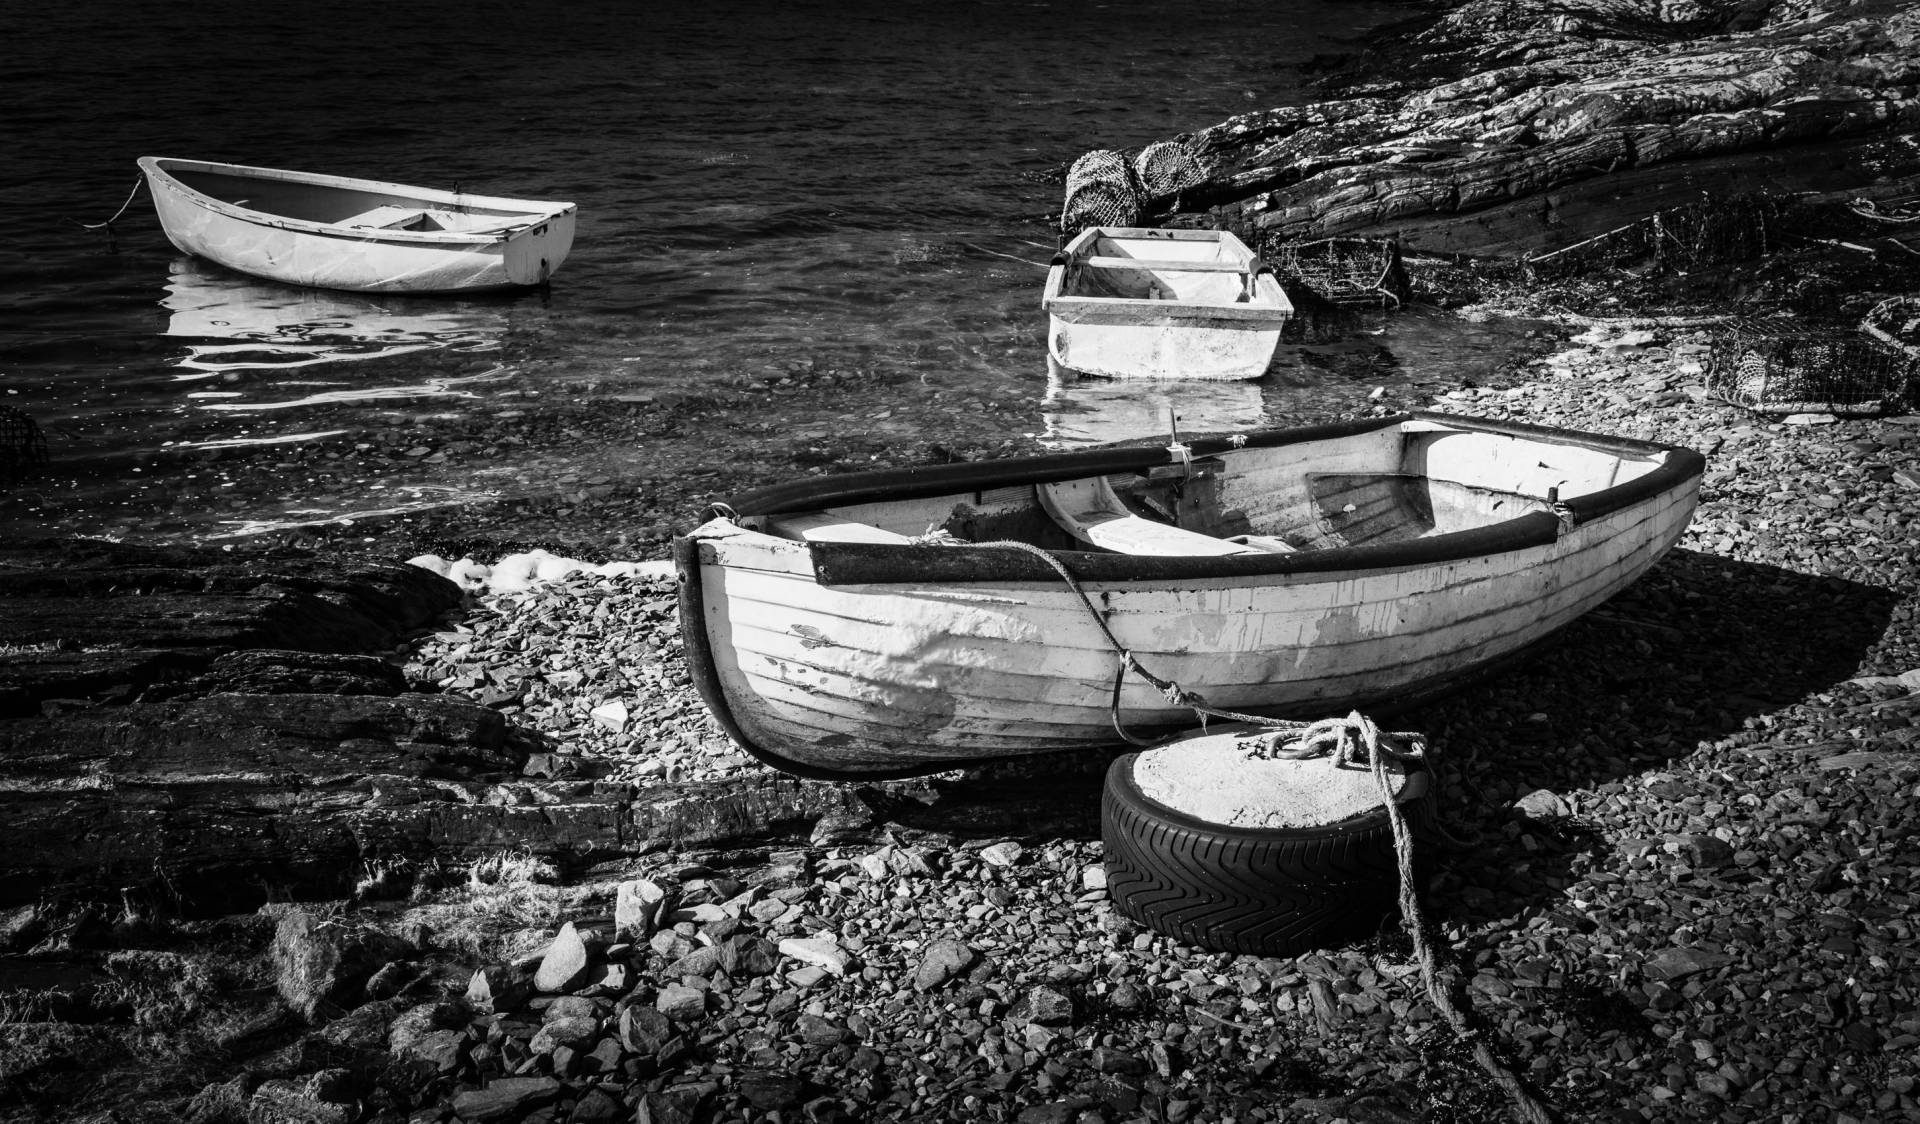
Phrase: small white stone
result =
(636, 909)
(1001, 854)
(1541, 804)
(821, 951)
(610, 715)
(565, 961)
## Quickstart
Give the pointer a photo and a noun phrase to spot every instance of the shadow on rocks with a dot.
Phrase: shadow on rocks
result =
(1702, 650)
(1697, 651)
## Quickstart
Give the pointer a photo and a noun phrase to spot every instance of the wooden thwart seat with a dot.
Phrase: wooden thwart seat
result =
(1092, 512)
(1167, 265)
(390, 217)
(820, 526)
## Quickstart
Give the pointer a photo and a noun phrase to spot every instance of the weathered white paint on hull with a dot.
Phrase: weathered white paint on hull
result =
(907, 675)
(520, 251)
(1170, 349)
(1033, 672)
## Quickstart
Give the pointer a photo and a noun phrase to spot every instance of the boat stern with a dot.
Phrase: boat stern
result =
(533, 254)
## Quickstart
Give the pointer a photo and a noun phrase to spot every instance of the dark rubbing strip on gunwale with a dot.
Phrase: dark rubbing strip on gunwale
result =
(937, 480)
(979, 476)
(848, 563)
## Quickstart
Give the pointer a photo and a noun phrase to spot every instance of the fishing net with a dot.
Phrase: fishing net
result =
(1102, 190)
(1343, 271)
(1713, 229)
(22, 448)
(1166, 168)
(1772, 367)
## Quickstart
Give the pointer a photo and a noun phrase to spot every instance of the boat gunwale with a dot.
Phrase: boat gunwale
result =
(528, 213)
(850, 563)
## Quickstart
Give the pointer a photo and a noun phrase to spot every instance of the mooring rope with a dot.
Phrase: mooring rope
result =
(137, 185)
(1172, 691)
(1345, 739)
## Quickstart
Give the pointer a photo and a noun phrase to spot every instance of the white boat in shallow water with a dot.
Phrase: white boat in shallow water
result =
(1138, 302)
(1292, 573)
(335, 232)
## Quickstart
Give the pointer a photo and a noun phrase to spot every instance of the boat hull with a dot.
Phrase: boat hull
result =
(1112, 320)
(523, 251)
(824, 662)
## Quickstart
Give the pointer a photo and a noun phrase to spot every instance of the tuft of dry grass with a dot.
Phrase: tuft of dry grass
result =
(501, 898)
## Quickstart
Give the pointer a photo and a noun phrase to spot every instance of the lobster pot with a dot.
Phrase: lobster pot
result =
(1166, 168)
(1342, 271)
(22, 447)
(1896, 323)
(1102, 190)
(1785, 369)
(1711, 229)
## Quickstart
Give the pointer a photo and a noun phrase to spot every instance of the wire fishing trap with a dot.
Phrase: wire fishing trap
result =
(1712, 229)
(1352, 272)
(1778, 367)
(1102, 190)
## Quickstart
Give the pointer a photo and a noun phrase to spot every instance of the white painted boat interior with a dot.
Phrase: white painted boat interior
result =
(1195, 271)
(390, 217)
(1092, 512)
(819, 526)
(338, 205)
(1412, 481)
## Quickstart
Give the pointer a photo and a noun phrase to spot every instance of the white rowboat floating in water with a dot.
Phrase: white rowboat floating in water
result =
(1136, 302)
(334, 232)
(1287, 573)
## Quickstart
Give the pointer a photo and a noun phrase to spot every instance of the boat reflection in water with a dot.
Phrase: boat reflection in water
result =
(232, 322)
(1080, 412)
(271, 365)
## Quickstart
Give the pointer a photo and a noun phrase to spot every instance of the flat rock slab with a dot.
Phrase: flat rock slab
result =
(99, 621)
(210, 726)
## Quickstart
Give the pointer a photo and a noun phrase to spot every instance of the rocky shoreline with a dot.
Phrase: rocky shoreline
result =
(512, 870)
(1689, 893)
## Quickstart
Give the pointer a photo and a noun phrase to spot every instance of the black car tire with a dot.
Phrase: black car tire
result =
(1263, 891)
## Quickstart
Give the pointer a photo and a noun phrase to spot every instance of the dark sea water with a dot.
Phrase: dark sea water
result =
(811, 238)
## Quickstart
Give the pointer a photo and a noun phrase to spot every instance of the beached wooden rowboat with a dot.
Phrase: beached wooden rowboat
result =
(335, 232)
(1137, 302)
(1291, 573)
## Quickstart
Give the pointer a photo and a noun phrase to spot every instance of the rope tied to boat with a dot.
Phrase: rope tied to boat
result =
(1354, 739)
(137, 185)
(1336, 740)
(1172, 691)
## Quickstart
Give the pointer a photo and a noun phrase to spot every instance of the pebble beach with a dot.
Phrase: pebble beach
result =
(1682, 886)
